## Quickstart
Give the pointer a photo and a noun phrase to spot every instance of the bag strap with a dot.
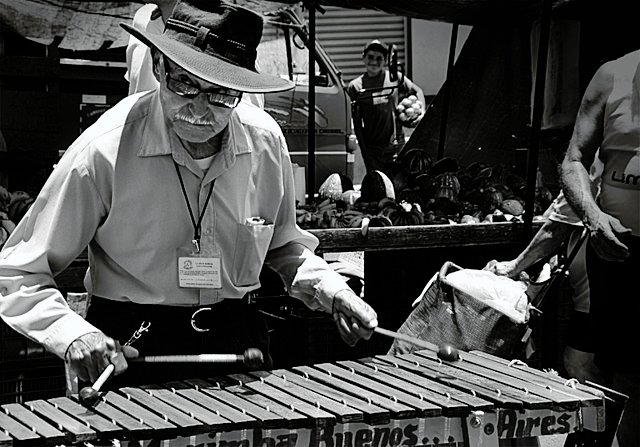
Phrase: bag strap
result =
(564, 269)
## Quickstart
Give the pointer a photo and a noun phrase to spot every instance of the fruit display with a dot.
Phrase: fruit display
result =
(416, 191)
(409, 109)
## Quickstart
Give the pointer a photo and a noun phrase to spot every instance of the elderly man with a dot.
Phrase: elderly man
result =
(181, 194)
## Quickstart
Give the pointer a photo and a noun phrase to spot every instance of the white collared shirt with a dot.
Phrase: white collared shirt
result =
(116, 191)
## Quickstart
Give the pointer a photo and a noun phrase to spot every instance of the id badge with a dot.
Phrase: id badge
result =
(199, 270)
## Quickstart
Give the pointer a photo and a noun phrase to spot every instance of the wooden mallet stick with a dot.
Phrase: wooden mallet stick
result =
(444, 352)
(89, 394)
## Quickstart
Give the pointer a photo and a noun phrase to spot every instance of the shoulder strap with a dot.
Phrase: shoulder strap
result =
(538, 292)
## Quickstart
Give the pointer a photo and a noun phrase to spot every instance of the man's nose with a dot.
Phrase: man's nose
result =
(201, 102)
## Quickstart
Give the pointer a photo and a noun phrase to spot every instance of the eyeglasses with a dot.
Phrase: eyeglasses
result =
(219, 96)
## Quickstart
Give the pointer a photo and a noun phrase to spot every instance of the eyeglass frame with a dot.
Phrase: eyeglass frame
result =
(213, 97)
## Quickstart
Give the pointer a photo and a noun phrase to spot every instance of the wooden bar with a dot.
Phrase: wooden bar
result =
(265, 418)
(35, 423)
(472, 401)
(342, 412)
(238, 419)
(558, 398)
(134, 427)
(161, 428)
(527, 400)
(372, 414)
(420, 236)
(186, 424)
(424, 408)
(289, 417)
(11, 428)
(484, 392)
(76, 431)
(104, 428)
(213, 421)
(450, 407)
(316, 415)
(397, 410)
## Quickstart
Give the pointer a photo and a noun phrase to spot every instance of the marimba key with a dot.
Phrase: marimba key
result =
(75, 430)
(211, 420)
(13, 429)
(316, 416)
(407, 373)
(397, 409)
(587, 395)
(343, 413)
(5, 439)
(104, 428)
(289, 417)
(185, 424)
(523, 398)
(454, 382)
(237, 419)
(132, 426)
(161, 428)
(35, 423)
(558, 398)
(423, 407)
(266, 418)
(450, 407)
(371, 414)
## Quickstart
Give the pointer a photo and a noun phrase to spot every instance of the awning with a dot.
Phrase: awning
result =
(91, 25)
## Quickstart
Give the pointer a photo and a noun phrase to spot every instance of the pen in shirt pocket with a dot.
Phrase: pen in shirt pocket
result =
(254, 221)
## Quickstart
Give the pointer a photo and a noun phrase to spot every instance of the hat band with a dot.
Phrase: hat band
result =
(204, 38)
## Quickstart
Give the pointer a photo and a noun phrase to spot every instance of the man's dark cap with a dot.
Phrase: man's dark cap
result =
(375, 45)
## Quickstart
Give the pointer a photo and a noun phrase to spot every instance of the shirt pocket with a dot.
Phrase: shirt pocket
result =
(252, 244)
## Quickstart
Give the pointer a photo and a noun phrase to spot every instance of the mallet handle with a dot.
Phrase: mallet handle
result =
(106, 373)
(407, 338)
(197, 358)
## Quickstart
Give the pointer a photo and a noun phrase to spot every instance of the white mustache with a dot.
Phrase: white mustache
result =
(193, 120)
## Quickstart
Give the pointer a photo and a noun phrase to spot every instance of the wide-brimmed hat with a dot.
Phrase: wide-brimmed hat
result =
(215, 41)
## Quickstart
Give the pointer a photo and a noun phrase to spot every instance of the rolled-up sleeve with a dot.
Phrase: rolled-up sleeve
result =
(55, 230)
(306, 276)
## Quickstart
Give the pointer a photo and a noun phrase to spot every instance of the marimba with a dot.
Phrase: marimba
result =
(382, 401)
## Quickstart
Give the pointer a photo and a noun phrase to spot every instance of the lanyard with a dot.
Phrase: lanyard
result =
(196, 225)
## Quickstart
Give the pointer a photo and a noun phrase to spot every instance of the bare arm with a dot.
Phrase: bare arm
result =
(585, 141)
(546, 242)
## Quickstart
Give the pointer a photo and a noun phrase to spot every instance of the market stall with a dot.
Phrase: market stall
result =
(398, 259)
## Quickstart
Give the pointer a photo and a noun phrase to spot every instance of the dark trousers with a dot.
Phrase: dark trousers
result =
(233, 326)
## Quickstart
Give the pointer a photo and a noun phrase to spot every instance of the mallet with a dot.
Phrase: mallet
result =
(252, 357)
(89, 394)
(445, 352)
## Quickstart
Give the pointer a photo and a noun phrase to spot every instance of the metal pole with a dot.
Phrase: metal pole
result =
(536, 116)
(446, 94)
(311, 141)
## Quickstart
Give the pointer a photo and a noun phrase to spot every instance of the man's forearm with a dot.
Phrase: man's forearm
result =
(577, 190)
(545, 243)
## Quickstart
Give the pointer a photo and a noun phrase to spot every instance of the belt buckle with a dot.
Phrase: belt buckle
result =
(193, 320)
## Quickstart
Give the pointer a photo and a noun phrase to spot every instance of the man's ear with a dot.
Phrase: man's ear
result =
(156, 60)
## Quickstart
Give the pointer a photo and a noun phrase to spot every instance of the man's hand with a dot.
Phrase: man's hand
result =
(355, 318)
(603, 232)
(504, 268)
(91, 353)
(413, 122)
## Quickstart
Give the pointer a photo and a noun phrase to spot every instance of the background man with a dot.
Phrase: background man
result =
(379, 134)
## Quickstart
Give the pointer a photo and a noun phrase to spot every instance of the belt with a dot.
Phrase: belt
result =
(200, 318)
